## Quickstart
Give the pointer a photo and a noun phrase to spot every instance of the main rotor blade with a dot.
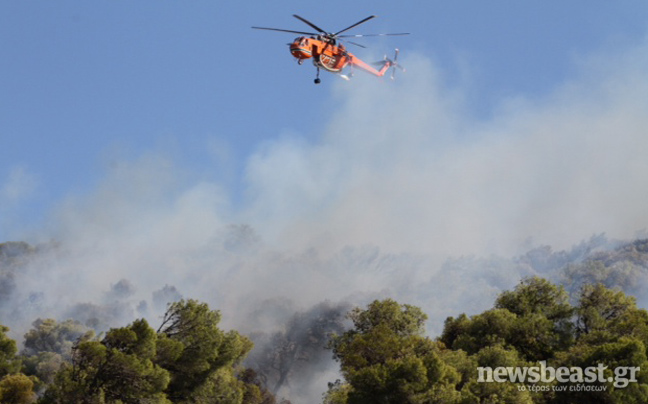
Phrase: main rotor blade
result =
(355, 25)
(356, 44)
(286, 30)
(361, 35)
(302, 19)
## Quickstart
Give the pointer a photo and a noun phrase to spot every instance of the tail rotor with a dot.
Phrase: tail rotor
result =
(394, 64)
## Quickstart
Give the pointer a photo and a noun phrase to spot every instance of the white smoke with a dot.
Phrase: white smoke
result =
(406, 168)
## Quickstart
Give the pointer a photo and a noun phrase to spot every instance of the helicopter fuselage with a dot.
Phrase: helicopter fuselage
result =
(325, 54)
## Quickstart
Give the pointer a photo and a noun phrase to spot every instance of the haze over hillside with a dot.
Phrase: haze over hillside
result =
(466, 284)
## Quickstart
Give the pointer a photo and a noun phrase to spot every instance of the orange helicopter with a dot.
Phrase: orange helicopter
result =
(328, 54)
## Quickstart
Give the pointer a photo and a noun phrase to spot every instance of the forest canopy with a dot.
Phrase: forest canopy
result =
(581, 316)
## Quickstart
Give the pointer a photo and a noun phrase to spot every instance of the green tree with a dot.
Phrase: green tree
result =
(611, 331)
(188, 360)
(535, 318)
(535, 322)
(474, 391)
(9, 363)
(604, 315)
(493, 327)
(337, 393)
(484, 340)
(386, 359)
(17, 389)
(536, 295)
(198, 354)
(543, 325)
(118, 369)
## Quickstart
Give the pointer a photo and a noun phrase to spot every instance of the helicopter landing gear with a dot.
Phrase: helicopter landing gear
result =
(317, 79)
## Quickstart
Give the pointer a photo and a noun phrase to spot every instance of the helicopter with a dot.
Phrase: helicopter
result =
(328, 53)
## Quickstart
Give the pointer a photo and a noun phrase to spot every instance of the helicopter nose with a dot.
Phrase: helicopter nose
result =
(300, 52)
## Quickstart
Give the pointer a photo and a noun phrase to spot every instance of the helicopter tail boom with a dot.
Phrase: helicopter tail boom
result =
(383, 65)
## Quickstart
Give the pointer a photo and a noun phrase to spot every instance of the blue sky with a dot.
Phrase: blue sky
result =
(84, 85)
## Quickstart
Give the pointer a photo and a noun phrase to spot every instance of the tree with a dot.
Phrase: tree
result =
(9, 363)
(386, 359)
(604, 315)
(534, 322)
(536, 295)
(188, 360)
(485, 340)
(474, 391)
(17, 389)
(198, 355)
(612, 331)
(535, 318)
(492, 327)
(625, 352)
(118, 369)
(543, 325)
